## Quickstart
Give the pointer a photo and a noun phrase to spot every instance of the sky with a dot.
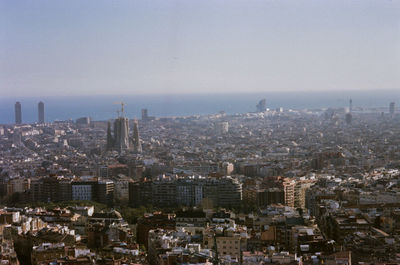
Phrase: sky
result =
(75, 47)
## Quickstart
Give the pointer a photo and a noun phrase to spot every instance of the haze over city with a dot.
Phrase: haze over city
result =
(58, 48)
(199, 132)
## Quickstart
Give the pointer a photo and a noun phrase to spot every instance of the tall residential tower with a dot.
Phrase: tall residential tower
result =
(18, 113)
(391, 108)
(41, 112)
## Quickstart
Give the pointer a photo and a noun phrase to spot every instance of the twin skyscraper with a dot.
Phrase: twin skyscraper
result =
(18, 112)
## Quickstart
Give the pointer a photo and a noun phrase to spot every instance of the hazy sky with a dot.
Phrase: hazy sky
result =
(130, 47)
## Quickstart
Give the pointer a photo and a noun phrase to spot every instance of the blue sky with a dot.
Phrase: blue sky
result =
(144, 47)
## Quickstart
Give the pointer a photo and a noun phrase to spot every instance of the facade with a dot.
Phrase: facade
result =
(270, 196)
(300, 194)
(18, 185)
(18, 113)
(36, 190)
(147, 223)
(227, 168)
(64, 190)
(227, 194)
(188, 194)
(82, 191)
(49, 189)
(175, 247)
(140, 193)
(289, 187)
(47, 252)
(191, 220)
(105, 192)
(53, 189)
(277, 190)
(121, 188)
(231, 241)
(41, 112)
(164, 193)
(223, 192)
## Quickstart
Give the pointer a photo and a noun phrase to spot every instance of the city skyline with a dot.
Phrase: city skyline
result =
(103, 107)
(152, 47)
(212, 132)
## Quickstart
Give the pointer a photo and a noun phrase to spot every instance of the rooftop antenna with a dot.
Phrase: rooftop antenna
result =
(122, 109)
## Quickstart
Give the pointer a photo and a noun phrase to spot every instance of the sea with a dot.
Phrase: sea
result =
(105, 107)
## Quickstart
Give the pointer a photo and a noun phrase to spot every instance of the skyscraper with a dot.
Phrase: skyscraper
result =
(41, 112)
(18, 113)
(137, 145)
(262, 105)
(145, 115)
(391, 108)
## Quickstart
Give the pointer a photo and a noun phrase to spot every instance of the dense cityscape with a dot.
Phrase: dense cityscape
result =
(274, 186)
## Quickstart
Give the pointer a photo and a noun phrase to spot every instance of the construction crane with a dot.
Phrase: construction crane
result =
(122, 108)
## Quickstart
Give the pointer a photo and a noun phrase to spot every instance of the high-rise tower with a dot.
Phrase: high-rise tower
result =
(350, 105)
(137, 145)
(41, 112)
(18, 113)
(145, 115)
(391, 108)
(262, 105)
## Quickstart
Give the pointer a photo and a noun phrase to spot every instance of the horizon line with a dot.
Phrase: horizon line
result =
(212, 93)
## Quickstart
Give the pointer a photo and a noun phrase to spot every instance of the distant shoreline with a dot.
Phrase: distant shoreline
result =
(101, 107)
